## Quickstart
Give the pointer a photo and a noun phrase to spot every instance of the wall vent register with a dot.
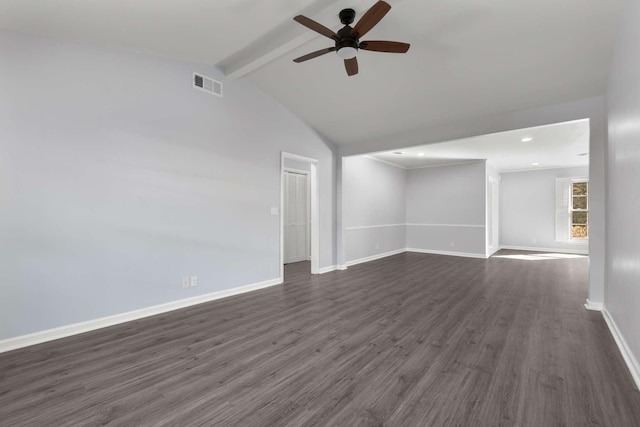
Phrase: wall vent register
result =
(207, 84)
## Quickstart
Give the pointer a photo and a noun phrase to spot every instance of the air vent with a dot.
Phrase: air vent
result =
(207, 84)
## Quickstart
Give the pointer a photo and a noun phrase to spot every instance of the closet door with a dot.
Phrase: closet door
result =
(296, 218)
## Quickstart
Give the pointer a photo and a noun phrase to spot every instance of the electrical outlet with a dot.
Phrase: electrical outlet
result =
(194, 281)
(534, 240)
(453, 245)
(185, 282)
(377, 245)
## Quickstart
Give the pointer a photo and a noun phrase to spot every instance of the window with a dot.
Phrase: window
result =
(572, 210)
(579, 209)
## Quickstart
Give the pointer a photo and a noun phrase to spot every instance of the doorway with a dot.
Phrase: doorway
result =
(299, 222)
(296, 214)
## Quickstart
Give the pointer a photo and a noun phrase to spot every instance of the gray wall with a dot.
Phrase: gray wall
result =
(117, 179)
(528, 208)
(446, 208)
(374, 207)
(622, 297)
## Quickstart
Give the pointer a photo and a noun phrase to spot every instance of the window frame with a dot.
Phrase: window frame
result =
(572, 209)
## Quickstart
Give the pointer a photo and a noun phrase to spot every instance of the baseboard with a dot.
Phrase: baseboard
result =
(559, 250)
(450, 253)
(374, 257)
(492, 251)
(328, 269)
(595, 306)
(103, 322)
(627, 355)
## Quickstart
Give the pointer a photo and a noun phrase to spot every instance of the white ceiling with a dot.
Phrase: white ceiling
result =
(557, 145)
(467, 59)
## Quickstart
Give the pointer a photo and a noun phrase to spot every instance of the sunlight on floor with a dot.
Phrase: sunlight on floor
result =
(540, 257)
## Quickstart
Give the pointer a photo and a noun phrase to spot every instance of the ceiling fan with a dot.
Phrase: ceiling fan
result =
(347, 40)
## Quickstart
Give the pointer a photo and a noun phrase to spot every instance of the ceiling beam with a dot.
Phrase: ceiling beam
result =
(287, 37)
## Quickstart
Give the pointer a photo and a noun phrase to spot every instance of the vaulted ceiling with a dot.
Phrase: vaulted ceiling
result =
(468, 58)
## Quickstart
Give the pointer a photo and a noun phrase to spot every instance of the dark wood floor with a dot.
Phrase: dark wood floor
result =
(410, 340)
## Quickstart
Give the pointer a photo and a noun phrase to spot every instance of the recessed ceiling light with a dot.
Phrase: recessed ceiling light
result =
(398, 152)
(535, 164)
(420, 154)
(527, 139)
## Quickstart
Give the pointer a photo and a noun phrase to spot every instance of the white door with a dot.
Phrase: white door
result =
(296, 217)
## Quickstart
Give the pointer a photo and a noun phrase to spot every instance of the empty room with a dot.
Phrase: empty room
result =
(322, 212)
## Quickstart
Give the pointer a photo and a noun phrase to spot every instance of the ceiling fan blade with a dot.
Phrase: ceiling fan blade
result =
(384, 46)
(315, 54)
(371, 18)
(313, 25)
(351, 65)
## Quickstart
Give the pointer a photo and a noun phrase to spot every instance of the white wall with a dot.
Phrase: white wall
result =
(446, 209)
(597, 201)
(296, 164)
(622, 298)
(493, 211)
(528, 209)
(374, 208)
(117, 179)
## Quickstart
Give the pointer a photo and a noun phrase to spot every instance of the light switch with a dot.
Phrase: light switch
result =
(274, 211)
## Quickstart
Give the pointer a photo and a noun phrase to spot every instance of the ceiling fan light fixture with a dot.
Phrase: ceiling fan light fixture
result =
(347, 39)
(347, 52)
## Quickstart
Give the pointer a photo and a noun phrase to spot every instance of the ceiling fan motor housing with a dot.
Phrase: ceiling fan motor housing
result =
(346, 38)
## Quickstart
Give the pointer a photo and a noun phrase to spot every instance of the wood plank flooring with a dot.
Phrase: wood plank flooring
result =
(409, 340)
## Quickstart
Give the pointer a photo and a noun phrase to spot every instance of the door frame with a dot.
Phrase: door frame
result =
(307, 202)
(314, 209)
